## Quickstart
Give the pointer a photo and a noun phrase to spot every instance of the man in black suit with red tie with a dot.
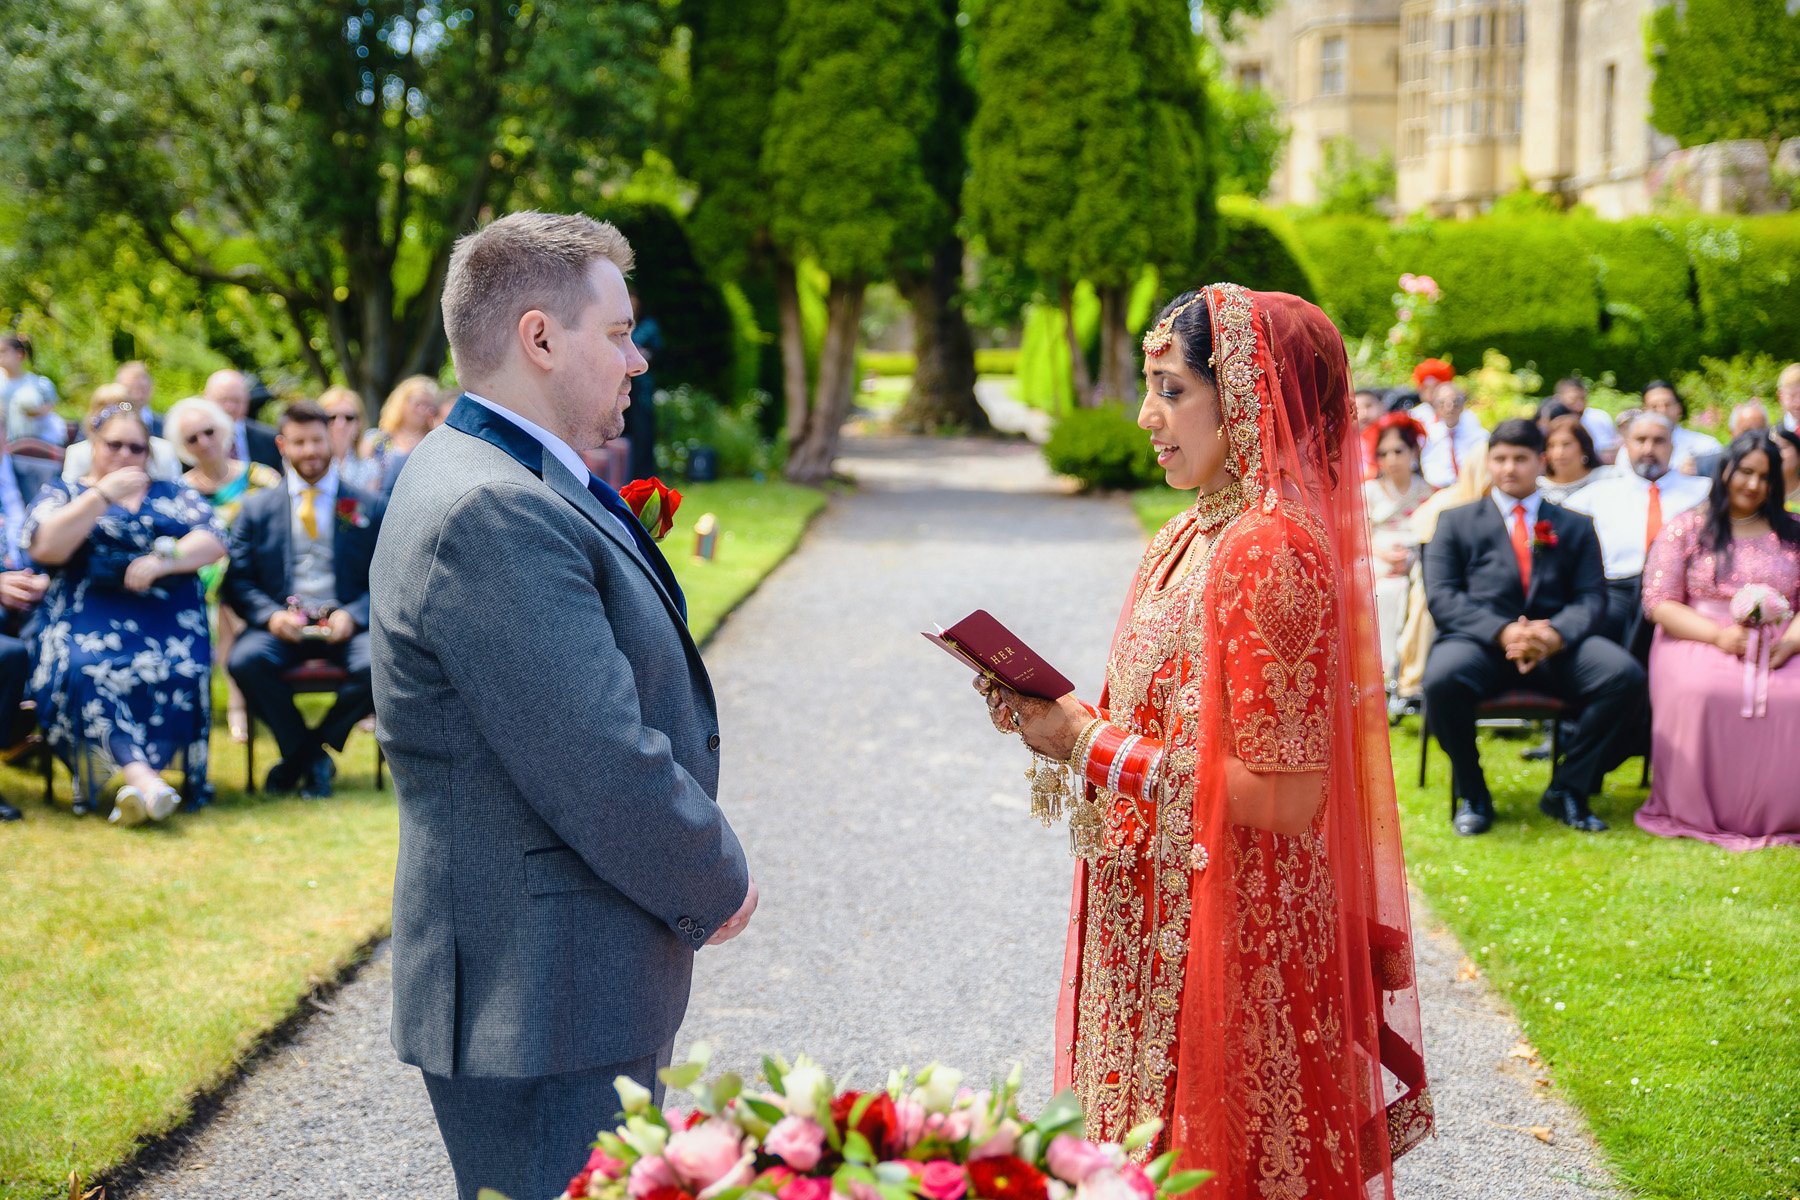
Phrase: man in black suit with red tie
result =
(1518, 591)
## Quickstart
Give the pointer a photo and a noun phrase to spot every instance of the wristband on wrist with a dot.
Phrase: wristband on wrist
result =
(1084, 742)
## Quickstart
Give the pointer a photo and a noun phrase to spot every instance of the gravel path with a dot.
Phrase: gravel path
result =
(911, 908)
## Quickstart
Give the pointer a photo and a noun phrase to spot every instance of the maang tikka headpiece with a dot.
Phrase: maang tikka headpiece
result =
(1158, 340)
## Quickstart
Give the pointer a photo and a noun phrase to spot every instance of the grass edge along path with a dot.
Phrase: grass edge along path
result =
(1655, 976)
(142, 968)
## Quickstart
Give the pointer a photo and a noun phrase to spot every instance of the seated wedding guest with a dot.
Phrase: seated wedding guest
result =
(344, 408)
(1787, 396)
(21, 584)
(27, 399)
(1570, 460)
(1748, 416)
(1390, 500)
(124, 665)
(201, 432)
(1572, 394)
(1453, 436)
(1369, 409)
(407, 415)
(1516, 588)
(1428, 376)
(299, 576)
(1726, 719)
(140, 388)
(78, 461)
(1694, 451)
(1472, 483)
(251, 441)
(1629, 510)
(1788, 442)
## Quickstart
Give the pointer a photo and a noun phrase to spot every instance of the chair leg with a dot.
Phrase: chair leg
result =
(1644, 782)
(1555, 744)
(250, 749)
(380, 761)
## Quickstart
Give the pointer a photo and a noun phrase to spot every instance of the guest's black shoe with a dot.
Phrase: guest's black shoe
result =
(196, 796)
(319, 777)
(1472, 818)
(9, 813)
(1571, 810)
(284, 776)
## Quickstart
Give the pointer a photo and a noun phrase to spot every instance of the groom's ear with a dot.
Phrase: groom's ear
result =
(535, 334)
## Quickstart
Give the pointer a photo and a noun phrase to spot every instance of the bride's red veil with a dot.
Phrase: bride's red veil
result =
(1298, 1065)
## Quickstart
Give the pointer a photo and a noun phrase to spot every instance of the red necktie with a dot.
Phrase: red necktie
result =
(1653, 523)
(1521, 541)
(1454, 469)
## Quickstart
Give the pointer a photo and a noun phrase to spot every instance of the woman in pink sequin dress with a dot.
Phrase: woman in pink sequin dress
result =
(1723, 776)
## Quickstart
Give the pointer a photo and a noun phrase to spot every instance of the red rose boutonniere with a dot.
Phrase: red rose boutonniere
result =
(1543, 537)
(350, 511)
(653, 503)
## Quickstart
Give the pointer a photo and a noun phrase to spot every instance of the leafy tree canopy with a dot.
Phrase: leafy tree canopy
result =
(1353, 183)
(325, 155)
(1726, 69)
(1249, 135)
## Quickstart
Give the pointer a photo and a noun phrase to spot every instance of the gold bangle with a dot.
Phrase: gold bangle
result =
(1084, 744)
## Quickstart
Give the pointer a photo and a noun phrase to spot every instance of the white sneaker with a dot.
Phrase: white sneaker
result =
(162, 802)
(128, 807)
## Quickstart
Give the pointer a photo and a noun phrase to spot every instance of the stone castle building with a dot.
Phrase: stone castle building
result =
(1471, 97)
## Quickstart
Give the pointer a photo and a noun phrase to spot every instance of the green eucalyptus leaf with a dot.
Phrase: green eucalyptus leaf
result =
(490, 1194)
(857, 1149)
(682, 1077)
(773, 1069)
(1184, 1181)
(1142, 1135)
(727, 1088)
(861, 1107)
(763, 1109)
(1158, 1169)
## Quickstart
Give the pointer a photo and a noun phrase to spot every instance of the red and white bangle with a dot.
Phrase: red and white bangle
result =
(1120, 762)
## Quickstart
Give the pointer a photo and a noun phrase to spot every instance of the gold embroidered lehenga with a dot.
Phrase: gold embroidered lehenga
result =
(1240, 961)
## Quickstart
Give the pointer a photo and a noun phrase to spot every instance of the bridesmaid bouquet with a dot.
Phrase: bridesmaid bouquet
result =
(1758, 608)
(923, 1136)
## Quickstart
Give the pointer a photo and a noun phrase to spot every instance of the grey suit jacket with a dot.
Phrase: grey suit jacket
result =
(554, 742)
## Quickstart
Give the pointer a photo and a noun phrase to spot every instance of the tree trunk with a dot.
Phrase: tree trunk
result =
(809, 461)
(1117, 363)
(793, 350)
(1083, 383)
(943, 390)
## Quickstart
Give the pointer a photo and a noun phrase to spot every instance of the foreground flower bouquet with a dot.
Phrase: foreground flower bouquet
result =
(924, 1136)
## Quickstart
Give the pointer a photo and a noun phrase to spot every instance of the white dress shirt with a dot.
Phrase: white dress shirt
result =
(1506, 504)
(1691, 444)
(1446, 450)
(1620, 506)
(1600, 427)
(559, 449)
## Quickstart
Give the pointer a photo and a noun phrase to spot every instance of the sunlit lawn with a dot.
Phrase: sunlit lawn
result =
(1658, 977)
(139, 966)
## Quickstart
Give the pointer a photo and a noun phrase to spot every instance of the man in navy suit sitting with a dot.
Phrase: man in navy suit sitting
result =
(21, 586)
(299, 575)
(1518, 591)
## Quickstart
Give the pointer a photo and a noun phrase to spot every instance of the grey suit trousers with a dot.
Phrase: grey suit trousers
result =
(526, 1138)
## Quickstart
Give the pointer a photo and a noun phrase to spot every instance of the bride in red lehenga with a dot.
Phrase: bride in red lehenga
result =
(1240, 959)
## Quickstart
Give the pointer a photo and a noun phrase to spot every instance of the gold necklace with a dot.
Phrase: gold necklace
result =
(1214, 509)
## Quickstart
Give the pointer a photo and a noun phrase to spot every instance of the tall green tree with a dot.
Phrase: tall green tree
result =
(322, 155)
(1088, 152)
(857, 89)
(733, 50)
(943, 388)
(1726, 69)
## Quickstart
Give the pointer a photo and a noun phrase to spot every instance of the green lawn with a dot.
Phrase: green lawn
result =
(141, 965)
(1658, 977)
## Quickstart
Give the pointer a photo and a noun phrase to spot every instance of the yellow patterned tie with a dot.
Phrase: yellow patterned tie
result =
(308, 519)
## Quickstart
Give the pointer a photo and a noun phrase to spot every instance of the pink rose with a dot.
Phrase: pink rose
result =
(942, 1180)
(1000, 1143)
(704, 1154)
(648, 1174)
(803, 1187)
(1140, 1183)
(863, 1191)
(1073, 1159)
(797, 1141)
(1108, 1184)
(603, 1164)
(958, 1124)
(910, 1125)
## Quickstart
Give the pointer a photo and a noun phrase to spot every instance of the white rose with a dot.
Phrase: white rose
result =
(802, 1085)
(937, 1091)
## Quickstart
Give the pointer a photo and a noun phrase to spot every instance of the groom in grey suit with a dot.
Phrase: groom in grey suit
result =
(553, 734)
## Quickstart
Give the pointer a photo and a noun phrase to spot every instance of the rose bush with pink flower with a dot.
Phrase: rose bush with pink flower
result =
(925, 1137)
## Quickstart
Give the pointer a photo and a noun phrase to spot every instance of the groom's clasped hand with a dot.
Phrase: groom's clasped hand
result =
(738, 920)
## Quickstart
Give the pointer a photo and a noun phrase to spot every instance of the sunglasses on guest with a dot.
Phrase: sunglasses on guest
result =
(347, 418)
(195, 436)
(118, 447)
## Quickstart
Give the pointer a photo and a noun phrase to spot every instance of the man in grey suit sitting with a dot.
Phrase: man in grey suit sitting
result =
(553, 734)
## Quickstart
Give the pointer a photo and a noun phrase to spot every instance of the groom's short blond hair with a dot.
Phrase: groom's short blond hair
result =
(522, 261)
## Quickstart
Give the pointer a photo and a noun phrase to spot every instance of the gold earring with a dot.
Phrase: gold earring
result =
(1220, 433)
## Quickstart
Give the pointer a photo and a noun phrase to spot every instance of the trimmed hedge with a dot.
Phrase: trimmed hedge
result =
(1641, 298)
(1103, 447)
(699, 326)
(1258, 249)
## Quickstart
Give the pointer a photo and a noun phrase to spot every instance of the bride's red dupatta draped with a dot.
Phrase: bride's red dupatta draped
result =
(1240, 956)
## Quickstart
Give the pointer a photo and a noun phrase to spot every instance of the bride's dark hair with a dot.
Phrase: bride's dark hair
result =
(1194, 328)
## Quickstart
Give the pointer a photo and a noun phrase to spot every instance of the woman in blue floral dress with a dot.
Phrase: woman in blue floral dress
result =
(124, 656)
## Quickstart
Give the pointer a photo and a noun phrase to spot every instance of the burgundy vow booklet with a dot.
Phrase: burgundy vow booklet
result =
(990, 648)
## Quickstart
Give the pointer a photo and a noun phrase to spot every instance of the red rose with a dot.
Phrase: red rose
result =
(1007, 1178)
(880, 1122)
(653, 503)
(578, 1186)
(667, 1193)
(1543, 535)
